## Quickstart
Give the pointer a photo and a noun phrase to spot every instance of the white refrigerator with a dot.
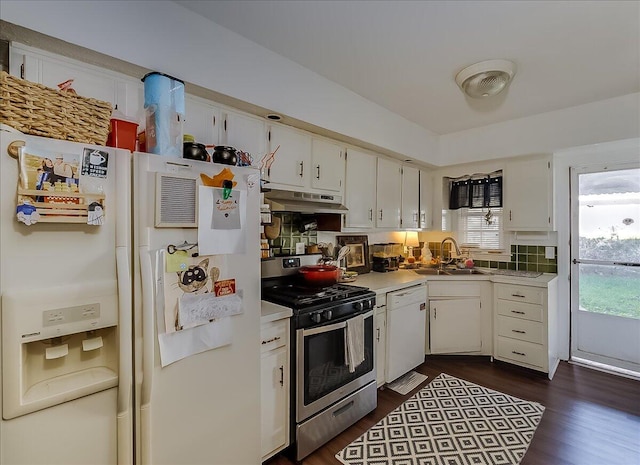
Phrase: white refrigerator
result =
(106, 357)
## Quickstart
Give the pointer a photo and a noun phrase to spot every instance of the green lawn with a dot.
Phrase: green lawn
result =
(613, 295)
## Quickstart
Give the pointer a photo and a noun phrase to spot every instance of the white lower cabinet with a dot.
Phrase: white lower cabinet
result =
(381, 338)
(459, 317)
(455, 325)
(525, 326)
(274, 390)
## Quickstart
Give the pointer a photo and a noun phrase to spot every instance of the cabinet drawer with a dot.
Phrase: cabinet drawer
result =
(273, 335)
(519, 310)
(517, 328)
(454, 289)
(521, 352)
(517, 293)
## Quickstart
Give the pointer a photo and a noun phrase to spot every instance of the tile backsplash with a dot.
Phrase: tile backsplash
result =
(523, 257)
(526, 258)
(290, 235)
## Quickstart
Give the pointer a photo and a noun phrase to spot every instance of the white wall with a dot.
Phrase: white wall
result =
(166, 37)
(625, 151)
(604, 121)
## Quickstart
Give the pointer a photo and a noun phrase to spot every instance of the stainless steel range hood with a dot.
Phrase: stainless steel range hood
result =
(304, 202)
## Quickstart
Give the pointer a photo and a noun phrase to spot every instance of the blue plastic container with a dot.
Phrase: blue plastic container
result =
(165, 110)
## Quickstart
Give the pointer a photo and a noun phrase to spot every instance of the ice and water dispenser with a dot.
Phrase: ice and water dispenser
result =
(58, 344)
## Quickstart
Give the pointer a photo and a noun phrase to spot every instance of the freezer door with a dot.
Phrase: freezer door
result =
(64, 289)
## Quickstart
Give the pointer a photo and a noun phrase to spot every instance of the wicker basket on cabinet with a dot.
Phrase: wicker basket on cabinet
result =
(42, 111)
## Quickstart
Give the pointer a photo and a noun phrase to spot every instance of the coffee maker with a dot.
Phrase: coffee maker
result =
(386, 257)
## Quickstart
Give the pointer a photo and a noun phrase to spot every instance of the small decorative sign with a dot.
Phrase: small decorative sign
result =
(94, 163)
(225, 287)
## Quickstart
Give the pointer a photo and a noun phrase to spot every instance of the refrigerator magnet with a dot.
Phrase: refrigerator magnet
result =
(224, 287)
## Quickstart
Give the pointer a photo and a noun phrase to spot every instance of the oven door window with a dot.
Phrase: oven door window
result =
(325, 369)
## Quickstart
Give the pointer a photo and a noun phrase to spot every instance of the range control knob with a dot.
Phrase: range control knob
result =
(327, 315)
(358, 305)
(316, 317)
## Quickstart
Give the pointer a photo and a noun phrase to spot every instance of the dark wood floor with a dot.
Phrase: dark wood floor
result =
(591, 418)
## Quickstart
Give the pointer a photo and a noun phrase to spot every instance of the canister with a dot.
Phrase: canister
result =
(164, 111)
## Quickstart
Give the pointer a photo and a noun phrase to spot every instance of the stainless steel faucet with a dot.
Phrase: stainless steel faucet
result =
(455, 244)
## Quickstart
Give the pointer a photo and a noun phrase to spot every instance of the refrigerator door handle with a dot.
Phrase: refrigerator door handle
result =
(125, 432)
(147, 353)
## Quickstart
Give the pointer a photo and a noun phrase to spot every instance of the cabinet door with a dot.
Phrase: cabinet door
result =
(381, 341)
(425, 200)
(360, 190)
(246, 133)
(455, 325)
(528, 195)
(388, 194)
(292, 162)
(410, 198)
(273, 399)
(328, 166)
(202, 121)
(86, 82)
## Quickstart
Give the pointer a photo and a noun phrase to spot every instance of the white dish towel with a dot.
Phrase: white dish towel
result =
(354, 342)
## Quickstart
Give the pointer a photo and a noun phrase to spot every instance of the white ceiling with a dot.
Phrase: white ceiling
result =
(404, 55)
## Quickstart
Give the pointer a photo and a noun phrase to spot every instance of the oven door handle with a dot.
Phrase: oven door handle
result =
(333, 327)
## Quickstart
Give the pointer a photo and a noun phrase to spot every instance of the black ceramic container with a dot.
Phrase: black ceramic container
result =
(225, 155)
(194, 151)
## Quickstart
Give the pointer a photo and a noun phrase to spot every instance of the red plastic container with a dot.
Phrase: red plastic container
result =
(122, 134)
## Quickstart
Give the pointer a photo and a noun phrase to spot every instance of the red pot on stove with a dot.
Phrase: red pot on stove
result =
(319, 275)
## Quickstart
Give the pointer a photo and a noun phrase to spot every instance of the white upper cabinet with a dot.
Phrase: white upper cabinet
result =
(292, 162)
(305, 162)
(425, 200)
(245, 133)
(528, 195)
(410, 198)
(388, 194)
(328, 165)
(202, 121)
(360, 190)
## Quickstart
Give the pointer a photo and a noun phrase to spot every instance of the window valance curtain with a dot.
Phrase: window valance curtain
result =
(482, 192)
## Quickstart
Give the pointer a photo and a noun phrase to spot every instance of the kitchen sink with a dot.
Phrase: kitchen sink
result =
(465, 271)
(430, 271)
(448, 272)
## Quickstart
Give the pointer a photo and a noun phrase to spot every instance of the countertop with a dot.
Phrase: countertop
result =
(274, 312)
(394, 280)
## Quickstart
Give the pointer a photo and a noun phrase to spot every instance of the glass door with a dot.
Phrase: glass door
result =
(605, 270)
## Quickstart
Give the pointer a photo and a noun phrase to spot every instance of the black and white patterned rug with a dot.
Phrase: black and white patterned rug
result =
(449, 422)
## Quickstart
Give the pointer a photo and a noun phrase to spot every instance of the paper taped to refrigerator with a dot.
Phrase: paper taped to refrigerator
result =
(182, 344)
(218, 234)
(175, 343)
(198, 309)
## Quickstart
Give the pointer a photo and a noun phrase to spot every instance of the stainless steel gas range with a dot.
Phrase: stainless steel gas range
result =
(327, 396)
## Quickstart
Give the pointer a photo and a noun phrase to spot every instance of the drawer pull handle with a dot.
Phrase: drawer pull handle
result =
(273, 339)
(518, 295)
(518, 353)
(519, 331)
(518, 312)
(378, 334)
(281, 375)
(341, 410)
